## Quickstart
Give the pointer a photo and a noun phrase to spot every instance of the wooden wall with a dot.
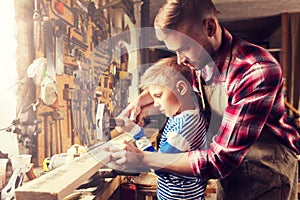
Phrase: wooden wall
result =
(71, 32)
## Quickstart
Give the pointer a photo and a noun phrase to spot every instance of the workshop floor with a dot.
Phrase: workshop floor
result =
(211, 197)
(211, 190)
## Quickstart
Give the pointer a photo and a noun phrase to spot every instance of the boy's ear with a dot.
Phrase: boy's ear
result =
(181, 87)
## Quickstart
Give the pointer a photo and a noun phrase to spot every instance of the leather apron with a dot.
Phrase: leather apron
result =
(268, 171)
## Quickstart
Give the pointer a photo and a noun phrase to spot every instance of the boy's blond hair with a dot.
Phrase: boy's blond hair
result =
(167, 72)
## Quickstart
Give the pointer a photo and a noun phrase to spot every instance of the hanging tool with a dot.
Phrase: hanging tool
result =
(45, 116)
(60, 30)
(49, 43)
(67, 96)
(70, 44)
(56, 135)
(49, 94)
(89, 115)
(51, 137)
(62, 11)
(82, 122)
(58, 116)
(55, 116)
(36, 26)
(79, 104)
(60, 135)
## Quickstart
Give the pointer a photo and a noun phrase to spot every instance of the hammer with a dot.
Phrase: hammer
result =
(104, 123)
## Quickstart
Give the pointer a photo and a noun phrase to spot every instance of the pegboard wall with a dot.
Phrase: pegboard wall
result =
(72, 35)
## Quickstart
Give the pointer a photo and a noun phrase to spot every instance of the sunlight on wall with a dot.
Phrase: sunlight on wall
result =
(8, 73)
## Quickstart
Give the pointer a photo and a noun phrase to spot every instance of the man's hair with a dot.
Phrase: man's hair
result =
(174, 11)
(166, 72)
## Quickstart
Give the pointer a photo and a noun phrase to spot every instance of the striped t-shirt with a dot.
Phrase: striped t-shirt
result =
(182, 133)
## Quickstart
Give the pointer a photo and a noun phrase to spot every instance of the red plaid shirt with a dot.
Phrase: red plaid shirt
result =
(255, 100)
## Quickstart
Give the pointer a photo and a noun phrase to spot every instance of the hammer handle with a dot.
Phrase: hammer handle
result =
(116, 122)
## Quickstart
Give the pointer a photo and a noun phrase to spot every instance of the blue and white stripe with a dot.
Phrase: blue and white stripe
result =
(182, 133)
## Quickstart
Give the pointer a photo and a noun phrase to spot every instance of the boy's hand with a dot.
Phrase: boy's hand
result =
(125, 156)
(127, 127)
(132, 110)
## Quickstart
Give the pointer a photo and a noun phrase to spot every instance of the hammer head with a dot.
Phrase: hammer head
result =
(104, 123)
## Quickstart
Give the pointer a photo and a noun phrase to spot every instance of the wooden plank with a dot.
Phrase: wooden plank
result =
(57, 184)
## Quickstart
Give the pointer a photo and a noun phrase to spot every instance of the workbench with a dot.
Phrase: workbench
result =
(62, 181)
(66, 179)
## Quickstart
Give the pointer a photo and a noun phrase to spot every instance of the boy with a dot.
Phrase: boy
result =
(170, 86)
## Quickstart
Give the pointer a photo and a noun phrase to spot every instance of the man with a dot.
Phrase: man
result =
(253, 150)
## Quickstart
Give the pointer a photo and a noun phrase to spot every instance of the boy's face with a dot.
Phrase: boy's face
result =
(165, 100)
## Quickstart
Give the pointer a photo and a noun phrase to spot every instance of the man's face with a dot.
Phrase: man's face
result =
(192, 47)
(164, 99)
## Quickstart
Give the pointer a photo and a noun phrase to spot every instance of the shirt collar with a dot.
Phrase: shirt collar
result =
(185, 112)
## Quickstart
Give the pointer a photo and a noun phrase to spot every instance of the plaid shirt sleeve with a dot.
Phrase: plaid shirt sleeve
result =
(254, 92)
